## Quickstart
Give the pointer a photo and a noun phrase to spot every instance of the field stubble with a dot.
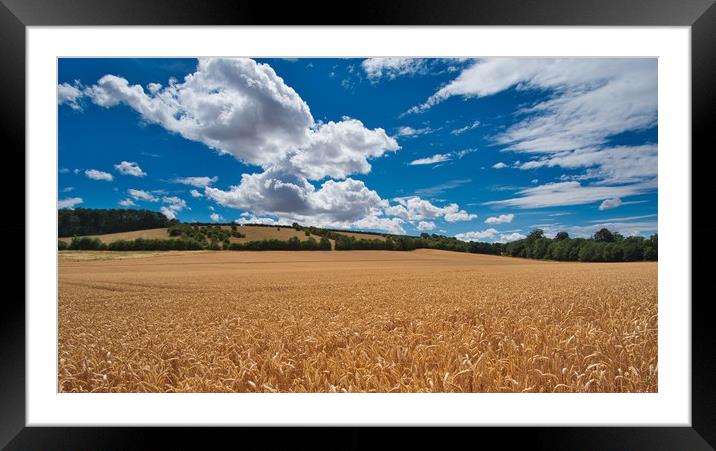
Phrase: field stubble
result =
(361, 321)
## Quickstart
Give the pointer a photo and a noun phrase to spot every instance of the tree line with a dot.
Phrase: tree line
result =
(90, 221)
(603, 246)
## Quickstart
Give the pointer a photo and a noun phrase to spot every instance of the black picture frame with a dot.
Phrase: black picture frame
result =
(700, 15)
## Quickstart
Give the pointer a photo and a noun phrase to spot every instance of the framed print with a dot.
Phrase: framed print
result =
(234, 221)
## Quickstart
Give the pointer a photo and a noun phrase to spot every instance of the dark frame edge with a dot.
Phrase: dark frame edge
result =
(702, 434)
(12, 129)
(703, 111)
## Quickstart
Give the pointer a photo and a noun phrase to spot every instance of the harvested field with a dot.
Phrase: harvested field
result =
(254, 233)
(354, 321)
(364, 236)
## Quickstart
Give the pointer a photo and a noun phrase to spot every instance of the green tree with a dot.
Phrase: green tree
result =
(561, 236)
(604, 235)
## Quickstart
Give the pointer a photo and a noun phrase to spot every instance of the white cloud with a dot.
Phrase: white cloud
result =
(154, 87)
(391, 68)
(243, 108)
(94, 174)
(610, 203)
(176, 205)
(501, 219)
(477, 235)
(620, 164)
(247, 218)
(216, 217)
(623, 219)
(130, 168)
(410, 132)
(69, 203)
(339, 149)
(199, 182)
(461, 215)
(374, 222)
(138, 194)
(413, 208)
(571, 193)
(195, 193)
(64, 170)
(499, 165)
(594, 98)
(290, 195)
(509, 237)
(70, 95)
(394, 67)
(68, 189)
(426, 225)
(168, 212)
(442, 157)
(461, 130)
(437, 158)
(127, 203)
(589, 101)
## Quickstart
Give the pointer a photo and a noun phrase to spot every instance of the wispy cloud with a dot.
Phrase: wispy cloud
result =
(441, 188)
(442, 157)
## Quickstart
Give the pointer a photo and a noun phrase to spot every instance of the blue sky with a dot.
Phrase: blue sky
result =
(481, 149)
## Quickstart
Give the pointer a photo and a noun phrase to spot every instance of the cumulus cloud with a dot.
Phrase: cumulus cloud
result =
(69, 203)
(501, 219)
(68, 189)
(338, 149)
(414, 208)
(70, 95)
(247, 218)
(130, 168)
(610, 203)
(240, 107)
(195, 193)
(290, 195)
(127, 203)
(426, 225)
(175, 205)
(138, 194)
(199, 182)
(509, 237)
(477, 235)
(390, 225)
(216, 217)
(94, 174)
(499, 165)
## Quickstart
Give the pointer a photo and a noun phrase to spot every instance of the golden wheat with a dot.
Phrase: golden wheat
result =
(361, 321)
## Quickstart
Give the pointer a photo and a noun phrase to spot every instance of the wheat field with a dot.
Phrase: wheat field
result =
(358, 321)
